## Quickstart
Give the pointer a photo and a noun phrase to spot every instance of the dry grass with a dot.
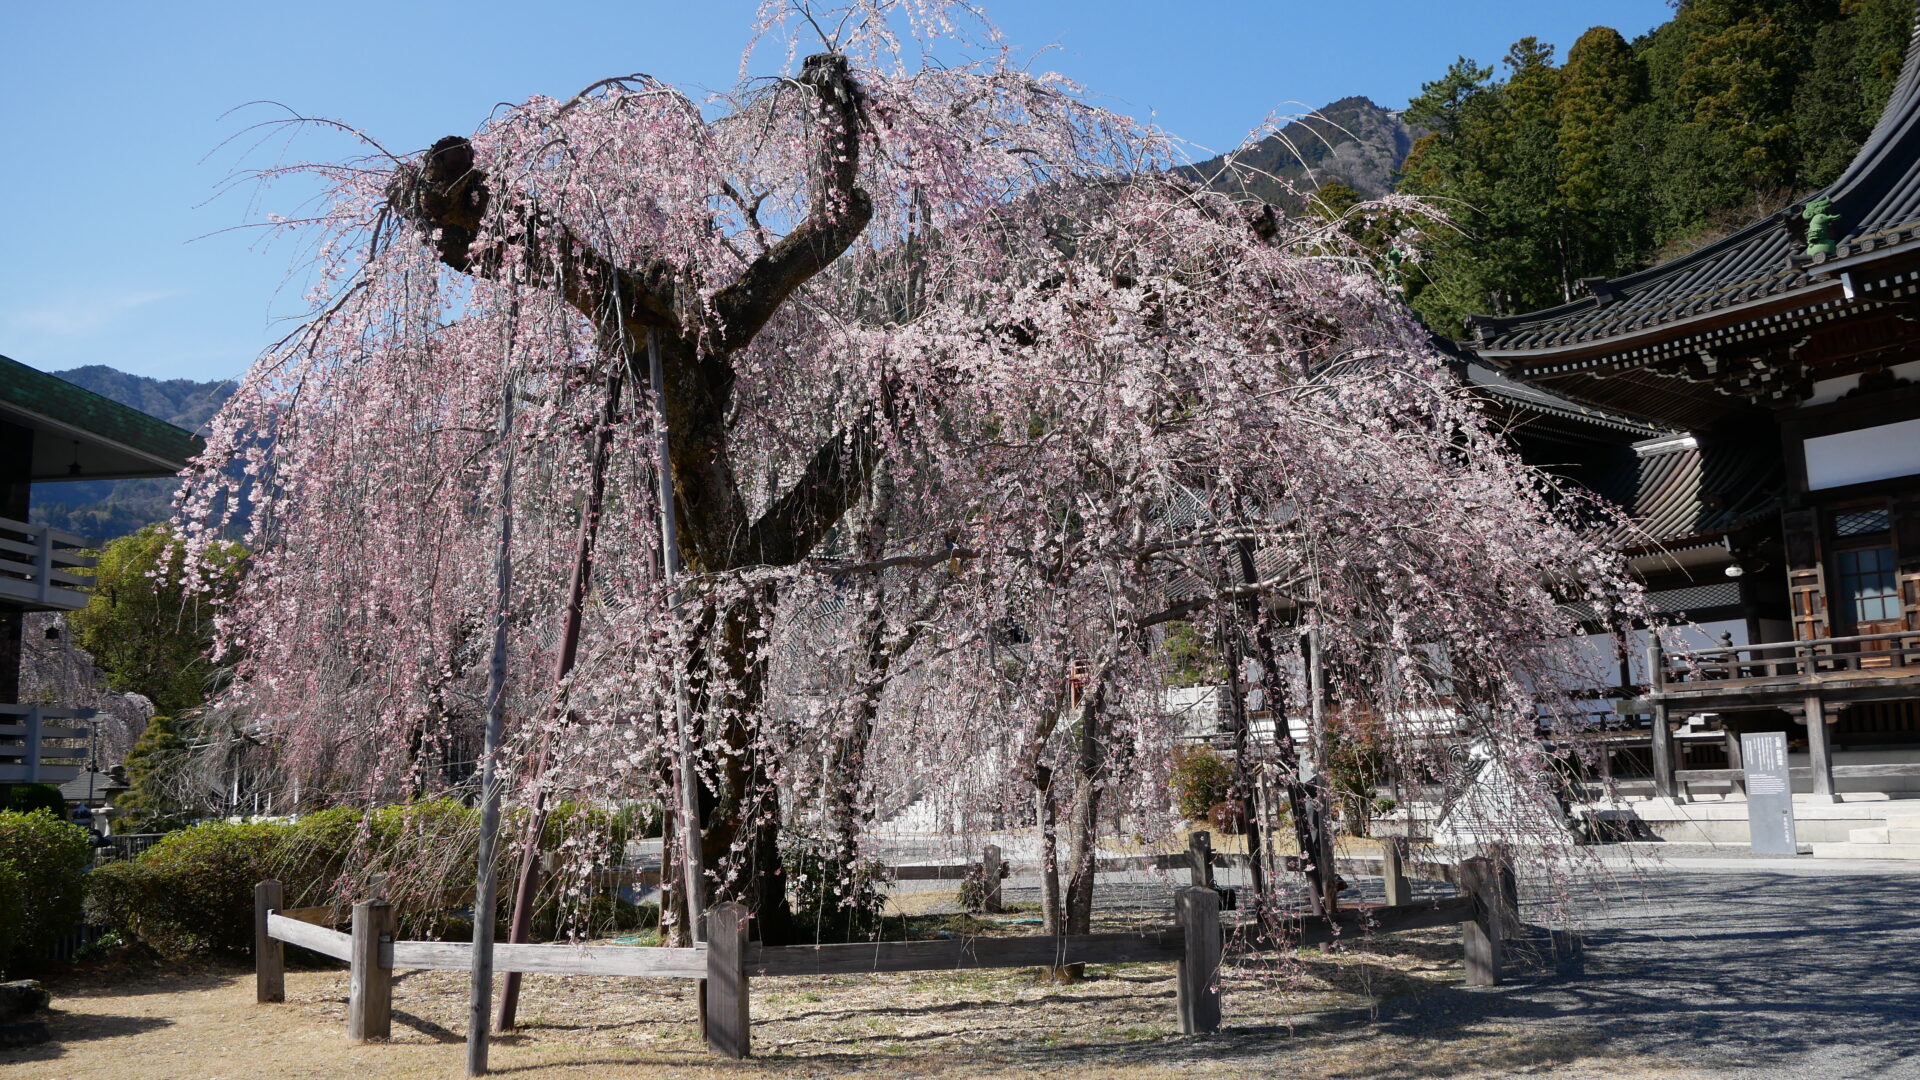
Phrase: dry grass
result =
(142, 1022)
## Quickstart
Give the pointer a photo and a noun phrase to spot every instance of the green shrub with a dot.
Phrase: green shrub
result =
(43, 869)
(835, 896)
(645, 820)
(600, 916)
(191, 893)
(26, 798)
(1201, 780)
(975, 888)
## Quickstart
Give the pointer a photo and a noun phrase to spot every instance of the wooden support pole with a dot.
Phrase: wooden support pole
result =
(990, 867)
(1393, 871)
(1734, 762)
(728, 1017)
(370, 991)
(1480, 880)
(1197, 981)
(1663, 782)
(1820, 750)
(1200, 858)
(269, 954)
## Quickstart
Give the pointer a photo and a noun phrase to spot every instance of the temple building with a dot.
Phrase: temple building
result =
(1755, 407)
(53, 430)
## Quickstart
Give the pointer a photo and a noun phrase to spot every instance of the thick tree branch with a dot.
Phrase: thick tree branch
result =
(840, 211)
(834, 481)
(448, 198)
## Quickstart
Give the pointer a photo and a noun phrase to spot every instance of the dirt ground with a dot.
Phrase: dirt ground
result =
(145, 1022)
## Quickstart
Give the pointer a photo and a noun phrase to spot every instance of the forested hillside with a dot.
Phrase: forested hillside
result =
(1628, 153)
(104, 509)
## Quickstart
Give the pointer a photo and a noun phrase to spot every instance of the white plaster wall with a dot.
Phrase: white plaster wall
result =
(1856, 457)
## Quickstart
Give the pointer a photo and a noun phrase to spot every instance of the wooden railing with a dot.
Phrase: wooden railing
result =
(26, 757)
(1789, 663)
(1485, 909)
(37, 567)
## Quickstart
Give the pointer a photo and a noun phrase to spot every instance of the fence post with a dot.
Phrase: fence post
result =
(1483, 935)
(990, 873)
(1200, 856)
(370, 991)
(729, 1019)
(269, 955)
(1509, 896)
(1393, 870)
(1197, 990)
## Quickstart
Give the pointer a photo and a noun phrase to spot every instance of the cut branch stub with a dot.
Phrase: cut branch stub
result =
(449, 196)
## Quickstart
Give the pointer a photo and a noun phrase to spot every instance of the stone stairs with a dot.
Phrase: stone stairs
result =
(1898, 839)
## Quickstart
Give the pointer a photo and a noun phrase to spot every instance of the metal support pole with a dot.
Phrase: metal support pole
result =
(692, 859)
(486, 899)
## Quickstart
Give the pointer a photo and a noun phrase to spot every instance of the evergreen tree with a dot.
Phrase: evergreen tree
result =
(145, 628)
(1635, 153)
(152, 766)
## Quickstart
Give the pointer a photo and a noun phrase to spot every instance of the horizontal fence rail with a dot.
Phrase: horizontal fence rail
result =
(319, 939)
(636, 961)
(963, 953)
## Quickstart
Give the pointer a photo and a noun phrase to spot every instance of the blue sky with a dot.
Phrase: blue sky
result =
(119, 249)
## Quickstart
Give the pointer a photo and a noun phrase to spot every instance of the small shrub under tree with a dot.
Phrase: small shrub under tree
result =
(1201, 780)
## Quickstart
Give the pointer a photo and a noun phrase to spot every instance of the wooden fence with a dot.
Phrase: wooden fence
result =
(728, 962)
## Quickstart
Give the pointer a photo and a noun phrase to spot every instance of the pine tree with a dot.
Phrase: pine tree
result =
(151, 766)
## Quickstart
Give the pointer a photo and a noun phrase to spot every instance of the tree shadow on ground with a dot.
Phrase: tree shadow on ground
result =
(68, 1027)
(1723, 971)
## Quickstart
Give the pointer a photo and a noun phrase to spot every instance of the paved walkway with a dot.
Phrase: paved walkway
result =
(1740, 967)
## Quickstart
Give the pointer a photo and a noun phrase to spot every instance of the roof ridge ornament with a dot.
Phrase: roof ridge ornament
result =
(1823, 227)
(1601, 289)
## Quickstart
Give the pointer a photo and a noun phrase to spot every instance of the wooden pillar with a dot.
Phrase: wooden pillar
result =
(1663, 784)
(1393, 871)
(1509, 883)
(990, 868)
(16, 479)
(728, 1018)
(1733, 758)
(1480, 880)
(1820, 750)
(1197, 982)
(269, 954)
(370, 992)
(1200, 858)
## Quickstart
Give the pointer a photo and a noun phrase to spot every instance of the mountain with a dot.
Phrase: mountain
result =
(104, 509)
(1351, 140)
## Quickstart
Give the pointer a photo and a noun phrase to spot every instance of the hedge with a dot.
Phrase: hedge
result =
(43, 871)
(192, 893)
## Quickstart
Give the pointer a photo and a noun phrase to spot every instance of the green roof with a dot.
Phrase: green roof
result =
(80, 435)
